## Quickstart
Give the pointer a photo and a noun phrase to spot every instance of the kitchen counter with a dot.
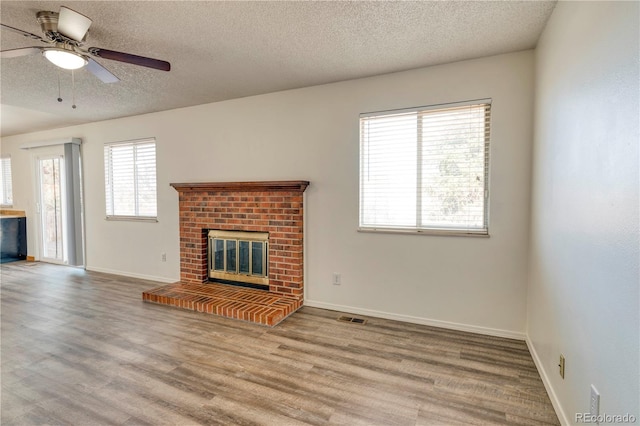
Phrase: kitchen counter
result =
(11, 213)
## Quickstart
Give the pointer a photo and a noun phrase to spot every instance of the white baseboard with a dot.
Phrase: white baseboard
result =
(547, 384)
(418, 320)
(131, 275)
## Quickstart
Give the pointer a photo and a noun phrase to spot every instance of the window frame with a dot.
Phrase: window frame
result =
(6, 195)
(108, 161)
(427, 230)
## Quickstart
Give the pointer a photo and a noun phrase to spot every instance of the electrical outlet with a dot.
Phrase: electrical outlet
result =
(164, 257)
(337, 278)
(561, 365)
(594, 405)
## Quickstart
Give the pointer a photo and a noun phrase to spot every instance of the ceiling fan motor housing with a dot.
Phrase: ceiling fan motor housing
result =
(48, 21)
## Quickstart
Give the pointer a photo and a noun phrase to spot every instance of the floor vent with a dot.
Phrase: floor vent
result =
(352, 320)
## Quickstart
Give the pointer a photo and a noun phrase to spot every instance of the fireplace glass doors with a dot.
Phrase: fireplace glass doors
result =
(238, 257)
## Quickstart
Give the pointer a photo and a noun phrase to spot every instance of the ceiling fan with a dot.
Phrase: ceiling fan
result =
(64, 35)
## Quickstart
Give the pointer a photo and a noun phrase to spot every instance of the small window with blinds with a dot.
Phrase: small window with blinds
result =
(426, 169)
(6, 185)
(130, 180)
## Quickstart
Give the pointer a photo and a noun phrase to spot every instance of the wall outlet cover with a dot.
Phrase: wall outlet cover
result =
(337, 278)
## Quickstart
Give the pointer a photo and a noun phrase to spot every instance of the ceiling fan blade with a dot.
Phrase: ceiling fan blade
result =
(101, 72)
(73, 24)
(130, 59)
(23, 51)
(24, 33)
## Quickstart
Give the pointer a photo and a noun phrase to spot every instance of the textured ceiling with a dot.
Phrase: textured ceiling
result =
(224, 50)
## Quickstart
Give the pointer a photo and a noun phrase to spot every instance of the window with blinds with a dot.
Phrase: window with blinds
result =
(426, 169)
(6, 186)
(130, 179)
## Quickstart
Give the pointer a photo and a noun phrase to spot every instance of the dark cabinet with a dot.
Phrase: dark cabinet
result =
(13, 238)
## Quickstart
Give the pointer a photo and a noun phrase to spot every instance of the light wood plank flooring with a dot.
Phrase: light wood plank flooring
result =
(81, 348)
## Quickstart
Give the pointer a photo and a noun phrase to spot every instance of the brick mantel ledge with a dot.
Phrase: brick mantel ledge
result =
(284, 185)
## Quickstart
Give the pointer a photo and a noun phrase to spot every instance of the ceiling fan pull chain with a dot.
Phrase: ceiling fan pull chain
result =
(73, 89)
(59, 95)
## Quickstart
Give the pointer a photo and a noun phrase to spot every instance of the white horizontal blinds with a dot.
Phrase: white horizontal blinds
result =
(130, 177)
(426, 169)
(145, 160)
(454, 167)
(120, 181)
(6, 185)
(389, 171)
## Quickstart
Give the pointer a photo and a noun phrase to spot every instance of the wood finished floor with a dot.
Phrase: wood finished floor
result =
(81, 348)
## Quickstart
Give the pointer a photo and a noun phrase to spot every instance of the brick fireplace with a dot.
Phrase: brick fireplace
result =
(273, 207)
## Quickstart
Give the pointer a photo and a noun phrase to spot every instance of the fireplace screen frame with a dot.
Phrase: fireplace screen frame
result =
(237, 276)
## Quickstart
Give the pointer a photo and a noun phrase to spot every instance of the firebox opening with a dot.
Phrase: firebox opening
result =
(239, 258)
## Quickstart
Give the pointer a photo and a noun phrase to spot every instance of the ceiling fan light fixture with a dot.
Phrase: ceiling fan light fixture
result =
(65, 58)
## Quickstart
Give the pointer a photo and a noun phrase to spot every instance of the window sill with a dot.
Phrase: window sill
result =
(432, 232)
(132, 218)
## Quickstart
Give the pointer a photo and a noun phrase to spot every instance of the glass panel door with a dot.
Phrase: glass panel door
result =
(257, 258)
(218, 263)
(231, 256)
(243, 257)
(51, 209)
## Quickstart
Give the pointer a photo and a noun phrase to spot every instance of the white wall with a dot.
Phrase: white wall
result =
(312, 134)
(583, 296)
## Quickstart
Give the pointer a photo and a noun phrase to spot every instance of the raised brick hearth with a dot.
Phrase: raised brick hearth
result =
(272, 207)
(240, 303)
